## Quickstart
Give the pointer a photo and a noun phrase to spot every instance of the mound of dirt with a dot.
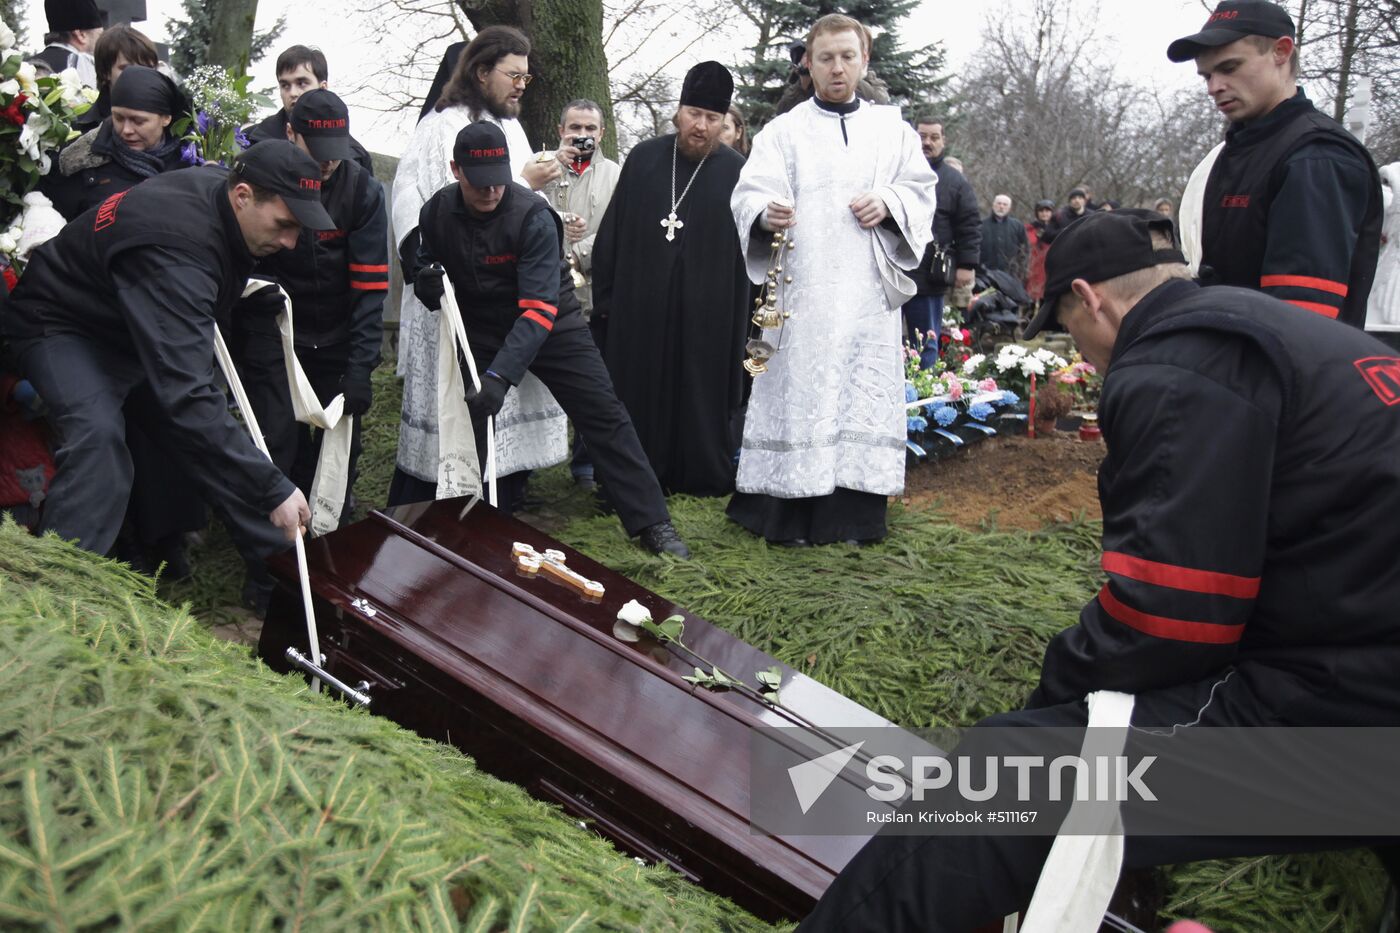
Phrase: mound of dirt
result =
(1014, 482)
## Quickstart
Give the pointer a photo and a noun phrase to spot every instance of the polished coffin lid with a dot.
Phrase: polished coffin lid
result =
(437, 579)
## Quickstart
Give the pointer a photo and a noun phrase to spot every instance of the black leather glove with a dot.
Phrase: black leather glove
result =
(358, 394)
(487, 403)
(266, 302)
(428, 288)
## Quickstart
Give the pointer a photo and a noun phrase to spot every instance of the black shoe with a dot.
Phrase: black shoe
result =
(586, 482)
(662, 538)
(794, 542)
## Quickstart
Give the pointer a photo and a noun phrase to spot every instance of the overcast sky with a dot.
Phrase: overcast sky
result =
(1136, 33)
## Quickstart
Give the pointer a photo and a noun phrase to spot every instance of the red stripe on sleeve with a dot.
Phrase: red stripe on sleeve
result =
(361, 267)
(544, 306)
(1180, 578)
(1324, 310)
(1202, 633)
(370, 286)
(1304, 281)
(539, 319)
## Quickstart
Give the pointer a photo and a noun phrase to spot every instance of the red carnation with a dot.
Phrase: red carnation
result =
(11, 279)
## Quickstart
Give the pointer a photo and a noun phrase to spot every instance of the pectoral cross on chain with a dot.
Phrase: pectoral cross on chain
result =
(672, 224)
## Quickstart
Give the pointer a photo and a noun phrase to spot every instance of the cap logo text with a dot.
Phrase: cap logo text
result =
(499, 153)
(1235, 200)
(339, 124)
(500, 260)
(311, 184)
(1227, 14)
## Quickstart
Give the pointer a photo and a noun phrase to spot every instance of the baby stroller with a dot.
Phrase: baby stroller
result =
(998, 308)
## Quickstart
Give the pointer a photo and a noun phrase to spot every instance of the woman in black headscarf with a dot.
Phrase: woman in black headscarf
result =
(131, 145)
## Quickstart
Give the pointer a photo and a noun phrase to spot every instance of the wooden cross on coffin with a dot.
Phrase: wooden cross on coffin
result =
(530, 562)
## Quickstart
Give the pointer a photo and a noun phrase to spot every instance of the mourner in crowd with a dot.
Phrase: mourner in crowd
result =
(950, 261)
(124, 301)
(501, 248)
(823, 444)
(337, 280)
(1076, 206)
(669, 277)
(132, 144)
(118, 48)
(490, 79)
(1004, 244)
(581, 195)
(1292, 202)
(733, 132)
(1259, 591)
(1035, 238)
(301, 69)
(74, 28)
(1164, 207)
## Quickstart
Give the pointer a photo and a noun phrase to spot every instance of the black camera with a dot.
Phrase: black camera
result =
(584, 143)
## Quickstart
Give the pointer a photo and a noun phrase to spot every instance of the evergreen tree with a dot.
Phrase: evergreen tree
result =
(12, 13)
(190, 37)
(912, 74)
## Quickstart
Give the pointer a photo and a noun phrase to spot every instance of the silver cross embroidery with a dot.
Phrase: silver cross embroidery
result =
(530, 562)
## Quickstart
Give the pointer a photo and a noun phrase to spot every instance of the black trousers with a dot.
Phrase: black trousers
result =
(956, 883)
(86, 385)
(582, 463)
(295, 447)
(571, 368)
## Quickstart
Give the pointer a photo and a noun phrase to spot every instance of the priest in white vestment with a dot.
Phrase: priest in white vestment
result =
(823, 443)
(531, 430)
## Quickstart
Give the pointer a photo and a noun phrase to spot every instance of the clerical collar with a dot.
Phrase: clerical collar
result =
(851, 106)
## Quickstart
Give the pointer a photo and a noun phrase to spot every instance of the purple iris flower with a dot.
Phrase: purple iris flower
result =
(189, 154)
(243, 141)
(201, 122)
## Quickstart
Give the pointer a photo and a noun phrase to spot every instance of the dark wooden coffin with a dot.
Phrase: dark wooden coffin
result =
(526, 675)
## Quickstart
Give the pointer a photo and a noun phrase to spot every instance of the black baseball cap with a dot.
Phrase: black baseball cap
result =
(481, 154)
(1098, 247)
(285, 170)
(323, 120)
(1232, 21)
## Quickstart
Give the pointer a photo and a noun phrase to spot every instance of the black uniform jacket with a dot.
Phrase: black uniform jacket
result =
(337, 279)
(1293, 208)
(1250, 496)
(275, 127)
(149, 272)
(506, 270)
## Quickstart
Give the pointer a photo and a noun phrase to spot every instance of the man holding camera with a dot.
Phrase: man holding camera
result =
(581, 196)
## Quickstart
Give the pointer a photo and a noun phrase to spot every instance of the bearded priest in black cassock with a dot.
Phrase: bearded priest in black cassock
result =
(669, 277)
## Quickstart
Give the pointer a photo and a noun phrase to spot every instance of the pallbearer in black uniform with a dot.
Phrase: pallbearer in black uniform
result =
(669, 278)
(502, 249)
(127, 296)
(337, 280)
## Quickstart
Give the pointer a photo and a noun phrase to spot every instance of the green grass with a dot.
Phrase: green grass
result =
(936, 626)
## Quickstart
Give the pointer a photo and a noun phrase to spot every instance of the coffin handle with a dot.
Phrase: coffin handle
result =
(358, 694)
